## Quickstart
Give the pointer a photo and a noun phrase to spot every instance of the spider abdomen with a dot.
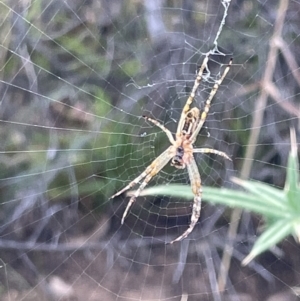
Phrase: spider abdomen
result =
(191, 122)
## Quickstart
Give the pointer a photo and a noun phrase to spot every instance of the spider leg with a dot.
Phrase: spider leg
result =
(168, 133)
(191, 98)
(208, 101)
(148, 174)
(133, 182)
(195, 180)
(136, 194)
(211, 151)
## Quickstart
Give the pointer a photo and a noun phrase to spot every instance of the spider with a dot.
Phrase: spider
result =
(181, 150)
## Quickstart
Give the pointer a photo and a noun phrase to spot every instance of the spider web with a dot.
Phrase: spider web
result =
(76, 77)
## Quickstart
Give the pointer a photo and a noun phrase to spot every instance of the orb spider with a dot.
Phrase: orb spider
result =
(181, 150)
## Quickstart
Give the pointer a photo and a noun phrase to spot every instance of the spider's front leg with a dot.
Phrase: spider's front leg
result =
(195, 180)
(138, 192)
(148, 174)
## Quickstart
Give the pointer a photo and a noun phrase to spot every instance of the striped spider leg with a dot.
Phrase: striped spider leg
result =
(181, 150)
(150, 171)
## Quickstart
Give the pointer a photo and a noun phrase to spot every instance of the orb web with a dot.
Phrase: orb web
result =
(76, 78)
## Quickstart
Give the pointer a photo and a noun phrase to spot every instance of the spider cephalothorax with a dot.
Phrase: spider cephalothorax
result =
(177, 160)
(181, 150)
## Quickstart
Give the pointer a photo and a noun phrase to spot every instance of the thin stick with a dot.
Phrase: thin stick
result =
(259, 109)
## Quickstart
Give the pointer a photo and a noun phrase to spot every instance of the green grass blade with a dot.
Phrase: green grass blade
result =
(270, 195)
(291, 188)
(274, 234)
(292, 181)
(221, 196)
